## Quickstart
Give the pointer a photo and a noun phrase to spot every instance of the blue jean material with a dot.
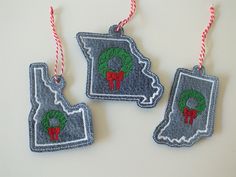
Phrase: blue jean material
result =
(140, 85)
(46, 95)
(173, 131)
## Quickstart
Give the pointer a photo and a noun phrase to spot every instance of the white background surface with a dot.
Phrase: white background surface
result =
(168, 32)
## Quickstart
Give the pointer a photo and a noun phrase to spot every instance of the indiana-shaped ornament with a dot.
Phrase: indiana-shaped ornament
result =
(190, 112)
(191, 107)
(117, 70)
(53, 123)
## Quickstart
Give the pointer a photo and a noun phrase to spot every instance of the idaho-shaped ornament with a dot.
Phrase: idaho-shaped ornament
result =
(117, 70)
(53, 123)
(191, 108)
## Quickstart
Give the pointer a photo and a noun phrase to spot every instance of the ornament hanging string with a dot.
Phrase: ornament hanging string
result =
(204, 36)
(59, 48)
(122, 23)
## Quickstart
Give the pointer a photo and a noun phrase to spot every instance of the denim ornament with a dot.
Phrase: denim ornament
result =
(191, 108)
(117, 70)
(53, 123)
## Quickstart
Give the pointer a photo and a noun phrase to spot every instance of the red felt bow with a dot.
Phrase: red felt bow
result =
(53, 132)
(189, 113)
(114, 76)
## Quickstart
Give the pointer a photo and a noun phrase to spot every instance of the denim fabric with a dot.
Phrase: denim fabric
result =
(172, 130)
(46, 95)
(140, 85)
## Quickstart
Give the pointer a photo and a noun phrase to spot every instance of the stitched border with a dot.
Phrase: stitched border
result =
(170, 110)
(142, 101)
(58, 99)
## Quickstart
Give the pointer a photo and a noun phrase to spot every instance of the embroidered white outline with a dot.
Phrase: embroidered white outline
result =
(183, 138)
(57, 102)
(133, 51)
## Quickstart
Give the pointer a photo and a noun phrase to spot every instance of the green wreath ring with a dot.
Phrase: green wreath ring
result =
(186, 95)
(53, 114)
(108, 54)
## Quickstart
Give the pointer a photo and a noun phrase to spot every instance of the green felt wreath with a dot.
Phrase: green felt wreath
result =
(108, 54)
(186, 95)
(53, 114)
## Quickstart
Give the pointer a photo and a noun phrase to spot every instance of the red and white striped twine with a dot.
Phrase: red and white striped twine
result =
(59, 47)
(204, 36)
(131, 13)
